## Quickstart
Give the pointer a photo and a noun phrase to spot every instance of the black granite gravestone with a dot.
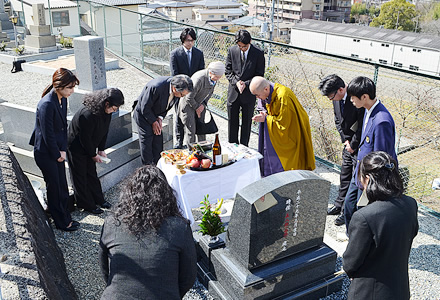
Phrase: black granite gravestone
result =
(274, 242)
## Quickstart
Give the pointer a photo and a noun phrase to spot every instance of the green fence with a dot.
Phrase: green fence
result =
(413, 99)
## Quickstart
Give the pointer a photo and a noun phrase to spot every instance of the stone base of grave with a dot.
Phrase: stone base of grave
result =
(40, 50)
(4, 37)
(40, 41)
(307, 275)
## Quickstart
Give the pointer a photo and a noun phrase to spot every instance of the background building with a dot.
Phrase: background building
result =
(402, 49)
(294, 10)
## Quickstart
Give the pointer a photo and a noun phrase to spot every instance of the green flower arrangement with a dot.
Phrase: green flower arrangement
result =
(211, 224)
(19, 50)
(66, 42)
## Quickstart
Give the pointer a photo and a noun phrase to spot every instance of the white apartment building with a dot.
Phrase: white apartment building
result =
(175, 10)
(294, 10)
(218, 13)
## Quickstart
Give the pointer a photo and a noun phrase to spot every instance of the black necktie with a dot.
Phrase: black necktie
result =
(342, 106)
(172, 102)
(242, 58)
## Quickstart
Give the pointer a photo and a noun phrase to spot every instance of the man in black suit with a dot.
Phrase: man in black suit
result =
(157, 97)
(244, 62)
(186, 60)
(348, 120)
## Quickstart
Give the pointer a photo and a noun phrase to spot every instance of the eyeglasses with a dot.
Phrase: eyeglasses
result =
(332, 97)
(189, 40)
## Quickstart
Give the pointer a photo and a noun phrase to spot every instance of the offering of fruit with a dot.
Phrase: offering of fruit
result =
(198, 159)
(195, 163)
(206, 163)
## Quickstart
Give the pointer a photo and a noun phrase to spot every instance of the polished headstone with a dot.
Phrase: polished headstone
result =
(295, 222)
(120, 128)
(90, 62)
(18, 123)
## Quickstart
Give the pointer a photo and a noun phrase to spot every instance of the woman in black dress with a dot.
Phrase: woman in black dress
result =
(147, 250)
(86, 143)
(50, 144)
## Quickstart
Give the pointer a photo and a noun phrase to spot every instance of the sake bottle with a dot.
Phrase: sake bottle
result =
(217, 152)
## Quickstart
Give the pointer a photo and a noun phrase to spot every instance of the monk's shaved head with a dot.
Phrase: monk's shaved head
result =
(260, 87)
(258, 84)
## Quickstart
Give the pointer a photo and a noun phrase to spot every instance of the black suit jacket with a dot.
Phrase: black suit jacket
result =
(381, 236)
(345, 123)
(153, 101)
(87, 132)
(157, 265)
(179, 61)
(254, 66)
(50, 133)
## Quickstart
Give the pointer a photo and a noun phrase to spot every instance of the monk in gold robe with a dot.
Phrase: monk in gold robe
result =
(285, 139)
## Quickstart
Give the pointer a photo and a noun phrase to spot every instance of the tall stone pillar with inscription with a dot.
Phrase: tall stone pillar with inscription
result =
(90, 62)
(41, 39)
(5, 23)
(274, 243)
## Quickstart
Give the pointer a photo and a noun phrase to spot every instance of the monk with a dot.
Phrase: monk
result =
(285, 139)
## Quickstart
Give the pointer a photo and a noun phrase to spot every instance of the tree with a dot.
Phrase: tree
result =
(430, 18)
(357, 10)
(361, 14)
(397, 14)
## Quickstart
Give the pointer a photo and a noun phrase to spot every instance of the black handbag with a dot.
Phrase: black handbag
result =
(206, 128)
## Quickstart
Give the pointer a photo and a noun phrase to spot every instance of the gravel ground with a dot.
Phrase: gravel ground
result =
(80, 248)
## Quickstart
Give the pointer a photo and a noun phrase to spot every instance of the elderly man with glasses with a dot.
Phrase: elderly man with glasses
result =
(156, 99)
(348, 120)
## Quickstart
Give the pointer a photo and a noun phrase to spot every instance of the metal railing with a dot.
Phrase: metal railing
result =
(413, 98)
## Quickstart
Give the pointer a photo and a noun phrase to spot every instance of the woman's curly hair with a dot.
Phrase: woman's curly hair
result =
(96, 101)
(146, 200)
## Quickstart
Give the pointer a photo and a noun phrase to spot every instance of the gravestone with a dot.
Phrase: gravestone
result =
(40, 39)
(5, 23)
(274, 242)
(3, 35)
(90, 62)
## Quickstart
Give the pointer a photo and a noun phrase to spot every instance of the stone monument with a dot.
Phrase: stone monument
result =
(3, 35)
(274, 243)
(91, 67)
(40, 39)
(5, 23)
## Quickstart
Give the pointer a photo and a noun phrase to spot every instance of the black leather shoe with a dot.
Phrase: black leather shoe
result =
(106, 205)
(334, 211)
(75, 223)
(96, 211)
(72, 227)
(340, 220)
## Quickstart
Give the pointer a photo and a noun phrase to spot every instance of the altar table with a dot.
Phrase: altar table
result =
(219, 183)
